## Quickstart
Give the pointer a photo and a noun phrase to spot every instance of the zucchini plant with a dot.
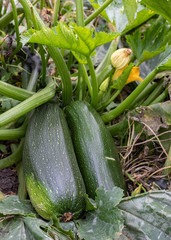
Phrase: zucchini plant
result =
(73, 61)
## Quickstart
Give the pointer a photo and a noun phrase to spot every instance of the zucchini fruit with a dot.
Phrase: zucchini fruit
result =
(94, 147)
(53, 179)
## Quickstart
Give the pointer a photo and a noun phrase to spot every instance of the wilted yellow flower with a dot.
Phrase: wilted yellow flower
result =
(133, 76)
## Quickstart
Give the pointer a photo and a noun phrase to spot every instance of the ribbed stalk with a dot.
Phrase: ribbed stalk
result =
(146, 92)
(14, 92)
(13, 158)
(55, 54)
(125, 104)
(156, 92)
(56, 12)
(27, 105)
(161, 97)
(9, 134)
(98, 11)
(94, 83)
(22, 190)
(16, 21)
(8, 17)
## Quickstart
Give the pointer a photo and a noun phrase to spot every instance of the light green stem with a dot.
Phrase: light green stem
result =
(11, 91)
(125, 104)
(56, 12)
(161, 97)
(110, 100)
(98, 11)
(55, 54)
(80, 13)
(16, 21)
(29, 104)
(9, 134)
(94, 83)
(22, 190)
(8, 17)
(159, 88)
(13, 158)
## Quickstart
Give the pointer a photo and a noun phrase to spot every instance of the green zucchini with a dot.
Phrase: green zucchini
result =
(94, 147)
(53, 179)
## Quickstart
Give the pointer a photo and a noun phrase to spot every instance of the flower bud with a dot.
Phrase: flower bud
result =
(121, 57)
(103, 87)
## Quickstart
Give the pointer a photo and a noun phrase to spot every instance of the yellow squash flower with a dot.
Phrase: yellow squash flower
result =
(133, 76)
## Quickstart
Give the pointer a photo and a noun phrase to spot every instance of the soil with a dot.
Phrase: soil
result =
(8, 181)
(8, 176)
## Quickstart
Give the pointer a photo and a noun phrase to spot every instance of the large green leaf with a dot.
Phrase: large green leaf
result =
(161, 7)
(23, 228)
(147, 216)
(144, 217)
(125, 14)
(19, 222)
(80, 40)
(11, 205)
(106, 222)
(151, 42)
(130, 8)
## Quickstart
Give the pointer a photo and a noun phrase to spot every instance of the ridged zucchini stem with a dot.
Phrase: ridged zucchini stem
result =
(94, 83)
(125, 104)
(56, 12)
(98, 11)
(13, 158)
(80, 13)
(55, 54)
(11, 91)
(9, 134)
(29, 104)
(146, 92)
(156, 92)
(8, 17)
(16, 21)
(81, 73)
(161, 97)
(22, 190)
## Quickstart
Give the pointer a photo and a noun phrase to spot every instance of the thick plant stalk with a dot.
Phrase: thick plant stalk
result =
(8, 17)
(55, 54)
(94, 83)
(22, 190)
(125, 104)
(56, 12)
(98, 11)
(146, 92)
(29, 104)
(13, 158)
(14, 92)
(80, 13)
(16, 21)
(161, 97)
(156, 92)
(9, 134)
(82, 75)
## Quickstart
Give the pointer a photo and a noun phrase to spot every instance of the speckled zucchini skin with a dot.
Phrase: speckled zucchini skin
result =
(53, 179)
(94, 147)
